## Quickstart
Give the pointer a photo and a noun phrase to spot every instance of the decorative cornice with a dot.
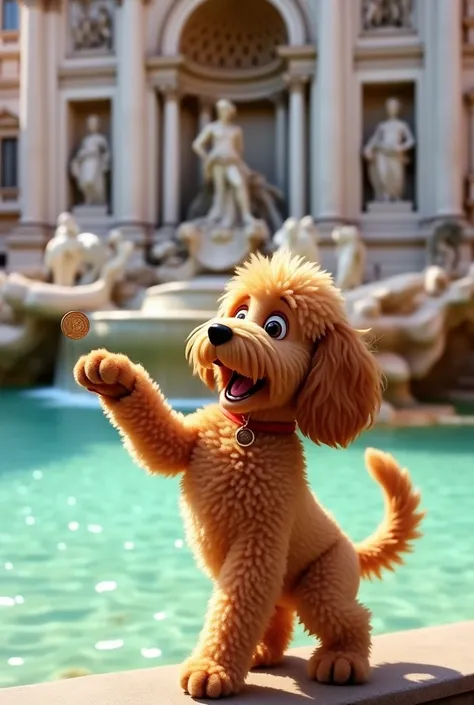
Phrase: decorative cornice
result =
(8, 120)
(304, 51)
(296, 81)
(375, 50)
(300, 62)
(46, 5)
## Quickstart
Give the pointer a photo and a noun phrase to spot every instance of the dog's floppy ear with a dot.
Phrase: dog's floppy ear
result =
(342, 392)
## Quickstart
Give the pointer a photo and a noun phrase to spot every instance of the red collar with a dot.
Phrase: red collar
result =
(281, 428)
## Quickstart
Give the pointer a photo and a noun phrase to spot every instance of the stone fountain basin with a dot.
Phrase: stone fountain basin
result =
(156, 340)
(201, 293)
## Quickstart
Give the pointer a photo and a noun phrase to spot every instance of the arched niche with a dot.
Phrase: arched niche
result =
(180, 13)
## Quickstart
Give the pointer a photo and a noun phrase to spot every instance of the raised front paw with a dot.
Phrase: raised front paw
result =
(338, 667)
(204, 678)
(106, 373)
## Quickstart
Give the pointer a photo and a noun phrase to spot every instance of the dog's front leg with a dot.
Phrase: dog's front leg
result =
(160, 439)
(243, 601)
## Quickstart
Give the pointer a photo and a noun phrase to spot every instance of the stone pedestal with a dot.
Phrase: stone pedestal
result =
(93, 219)
(390, 208)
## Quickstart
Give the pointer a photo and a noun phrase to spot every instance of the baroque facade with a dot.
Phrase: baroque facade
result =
(312, 81)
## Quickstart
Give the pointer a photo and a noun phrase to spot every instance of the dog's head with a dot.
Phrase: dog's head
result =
(281, 339)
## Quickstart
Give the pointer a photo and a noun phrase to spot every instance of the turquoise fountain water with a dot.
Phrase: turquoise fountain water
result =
(94, 569)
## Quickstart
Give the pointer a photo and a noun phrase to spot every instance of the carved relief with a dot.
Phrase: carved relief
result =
(91, 25)
(384, 14)
(468, 22)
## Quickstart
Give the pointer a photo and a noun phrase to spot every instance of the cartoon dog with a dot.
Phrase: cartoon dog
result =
(282, 353)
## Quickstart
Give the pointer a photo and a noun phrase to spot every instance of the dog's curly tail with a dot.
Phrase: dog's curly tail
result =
(399, 527)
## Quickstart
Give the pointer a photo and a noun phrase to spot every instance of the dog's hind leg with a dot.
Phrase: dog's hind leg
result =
(326, 603)
(277, 637)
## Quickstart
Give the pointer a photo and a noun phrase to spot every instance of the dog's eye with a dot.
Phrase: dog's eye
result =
(276, 326)
(241, 312)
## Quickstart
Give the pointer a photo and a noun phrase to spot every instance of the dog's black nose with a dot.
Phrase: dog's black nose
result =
(219, 334)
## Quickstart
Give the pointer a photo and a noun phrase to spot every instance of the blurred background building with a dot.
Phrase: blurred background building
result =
(310, 79)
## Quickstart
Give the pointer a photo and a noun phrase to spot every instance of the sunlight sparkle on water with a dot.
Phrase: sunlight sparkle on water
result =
(7, 602)
(106, 586)
(109, 645)
(151, 653)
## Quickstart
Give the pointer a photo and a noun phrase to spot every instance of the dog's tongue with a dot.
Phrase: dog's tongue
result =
(241, 386)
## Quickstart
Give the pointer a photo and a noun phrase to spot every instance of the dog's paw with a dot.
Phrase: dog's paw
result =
(106, 373)
(264, 656)
(204, 678)
(338, 667)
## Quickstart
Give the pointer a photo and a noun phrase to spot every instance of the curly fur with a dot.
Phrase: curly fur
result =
(271, 549)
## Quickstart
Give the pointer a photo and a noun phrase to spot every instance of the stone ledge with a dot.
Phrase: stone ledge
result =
(409, 668)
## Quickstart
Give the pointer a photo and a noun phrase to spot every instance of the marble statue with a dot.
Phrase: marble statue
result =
(91, 25)
(74, 258)
(351, 257)
(63, 254)
(444, 246)
(387, 154)
(226, 231)
(91, 163)
(266, 201)
(52, 300)
(220, 145)
(377, 14)
(301, 237)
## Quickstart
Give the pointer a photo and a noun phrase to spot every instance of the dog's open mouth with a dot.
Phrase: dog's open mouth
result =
(240, 387)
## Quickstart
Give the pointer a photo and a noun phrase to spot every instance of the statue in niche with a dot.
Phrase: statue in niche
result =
(381, 14)
(220, 145)
(387, 154)
(91, 25)
(230, 217)
(91, 163)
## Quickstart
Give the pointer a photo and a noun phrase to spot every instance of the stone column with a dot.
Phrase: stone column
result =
(33, 133)
(281, 140)
(448, 109)
(171, 156)
(297, 146)
(327, 116)
(130, 155)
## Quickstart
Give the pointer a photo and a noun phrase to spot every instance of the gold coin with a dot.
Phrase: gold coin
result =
(75, 325)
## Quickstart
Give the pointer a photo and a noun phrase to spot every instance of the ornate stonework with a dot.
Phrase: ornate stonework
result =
(387, 14)
(229, 35)
(91, 25)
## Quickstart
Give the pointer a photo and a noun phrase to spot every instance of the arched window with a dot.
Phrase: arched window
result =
(10, 15)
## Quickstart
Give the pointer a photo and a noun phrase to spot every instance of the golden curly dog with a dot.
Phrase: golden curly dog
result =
(280, 351)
